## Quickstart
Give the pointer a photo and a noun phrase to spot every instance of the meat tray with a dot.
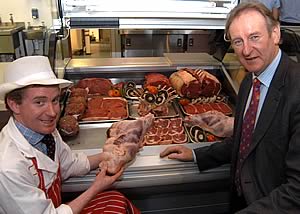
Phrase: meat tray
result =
(93, 117)
(133, 110)
(219, 106)
(166, 131)
(105, 118)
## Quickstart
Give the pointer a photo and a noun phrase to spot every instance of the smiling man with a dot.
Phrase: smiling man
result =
(34, 160)
(265, 148)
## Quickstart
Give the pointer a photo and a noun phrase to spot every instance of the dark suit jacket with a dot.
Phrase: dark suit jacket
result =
(270, 174)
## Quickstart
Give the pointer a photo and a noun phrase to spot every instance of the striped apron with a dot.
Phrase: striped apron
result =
(104, 202)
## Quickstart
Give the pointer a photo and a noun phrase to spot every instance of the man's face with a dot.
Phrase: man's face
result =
(39, 109)
(254, 45)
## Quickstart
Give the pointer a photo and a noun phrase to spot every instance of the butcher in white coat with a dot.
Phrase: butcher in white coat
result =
(31, 172)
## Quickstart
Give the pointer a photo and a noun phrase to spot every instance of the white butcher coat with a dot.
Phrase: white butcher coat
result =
(19, 192)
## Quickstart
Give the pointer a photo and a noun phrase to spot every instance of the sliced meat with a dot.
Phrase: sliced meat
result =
(190, 109)
(162, 123)
(225, 109)
(151, 140)
(166, 139)
(175, 122)
(199, 108)
(179, 138)
(168, 130)
(99, 108)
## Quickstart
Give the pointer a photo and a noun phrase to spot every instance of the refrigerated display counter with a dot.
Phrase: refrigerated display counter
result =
(154, 184)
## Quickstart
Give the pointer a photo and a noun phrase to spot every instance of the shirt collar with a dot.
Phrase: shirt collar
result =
(267, 75)
(31, 136)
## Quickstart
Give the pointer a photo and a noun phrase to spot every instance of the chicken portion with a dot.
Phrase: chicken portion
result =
(124, 139)
(214, 122)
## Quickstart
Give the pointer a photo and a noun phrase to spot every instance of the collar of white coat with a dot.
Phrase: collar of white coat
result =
(43, 161)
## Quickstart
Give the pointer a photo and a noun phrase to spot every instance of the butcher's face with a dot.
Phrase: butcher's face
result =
(39, 109)
(254, 45)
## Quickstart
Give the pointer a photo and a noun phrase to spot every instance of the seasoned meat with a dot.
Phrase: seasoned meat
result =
(76, 109)
(77, 100)
(79, 92)
(68, 126)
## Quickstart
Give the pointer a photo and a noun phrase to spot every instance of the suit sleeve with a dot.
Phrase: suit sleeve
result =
(215, 155)
(286, 197)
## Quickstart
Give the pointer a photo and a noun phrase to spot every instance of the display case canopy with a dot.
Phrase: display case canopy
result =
(154, 14)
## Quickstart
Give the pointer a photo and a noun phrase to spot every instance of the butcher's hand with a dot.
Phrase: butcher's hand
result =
(178, 152)
(104, 181)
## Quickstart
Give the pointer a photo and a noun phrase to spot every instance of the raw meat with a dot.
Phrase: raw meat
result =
(209, 84)
(124, 141)
(199, 108)
(194, 83)
(165, 131)
(78, 92)
(75, 109)
(68, 126)
(99, 108)
(156, 79)
(99, 86)
(214, 122)
(77, 100)
(145, 108)
(185, 84)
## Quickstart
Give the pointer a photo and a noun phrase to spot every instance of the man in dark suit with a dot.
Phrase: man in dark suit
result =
(264, 150)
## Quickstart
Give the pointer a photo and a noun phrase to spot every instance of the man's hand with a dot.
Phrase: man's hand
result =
(179, 152)
(104, 181)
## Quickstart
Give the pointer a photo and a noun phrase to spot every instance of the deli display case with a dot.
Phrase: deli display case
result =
(154, 37)
(151, 182)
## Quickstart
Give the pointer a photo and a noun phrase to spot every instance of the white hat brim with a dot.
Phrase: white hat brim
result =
(8, 87)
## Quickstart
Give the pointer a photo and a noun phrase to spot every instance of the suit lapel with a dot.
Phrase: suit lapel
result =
(271, 103)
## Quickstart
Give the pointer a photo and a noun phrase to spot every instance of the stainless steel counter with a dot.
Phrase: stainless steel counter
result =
(204, 60)
(147, 170)
(153, 183)
(102, 65)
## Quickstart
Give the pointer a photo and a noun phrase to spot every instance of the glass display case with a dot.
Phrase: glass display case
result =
(149, 178)
(155, 14)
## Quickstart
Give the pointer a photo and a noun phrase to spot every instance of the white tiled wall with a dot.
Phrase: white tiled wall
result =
(21, 10)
